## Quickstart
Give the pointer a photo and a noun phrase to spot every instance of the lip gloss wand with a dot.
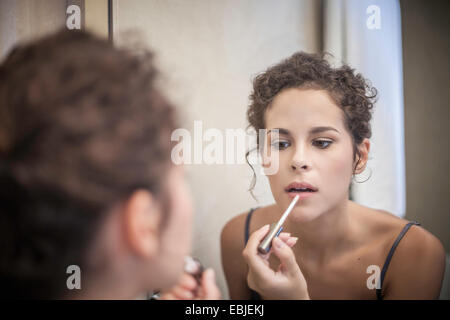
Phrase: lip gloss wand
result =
(276, 228)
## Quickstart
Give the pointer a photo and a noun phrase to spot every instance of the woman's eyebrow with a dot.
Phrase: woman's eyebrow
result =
(322, 129)
(312, 131)
(280, 130)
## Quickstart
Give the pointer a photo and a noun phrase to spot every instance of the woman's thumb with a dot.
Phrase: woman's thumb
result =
(209, 285)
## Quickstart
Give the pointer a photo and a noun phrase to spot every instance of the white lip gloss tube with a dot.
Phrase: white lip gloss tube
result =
(276, 228)
(193, 267)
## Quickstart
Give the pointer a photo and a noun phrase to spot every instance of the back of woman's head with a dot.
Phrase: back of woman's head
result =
(81, 126)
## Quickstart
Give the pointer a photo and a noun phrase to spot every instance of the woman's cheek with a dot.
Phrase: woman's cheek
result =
(275, 183)
(279, 178)
(338, 174)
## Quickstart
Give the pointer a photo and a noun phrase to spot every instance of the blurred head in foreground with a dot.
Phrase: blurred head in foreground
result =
(86, 177)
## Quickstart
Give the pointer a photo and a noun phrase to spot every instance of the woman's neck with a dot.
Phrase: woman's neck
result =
(326, 236)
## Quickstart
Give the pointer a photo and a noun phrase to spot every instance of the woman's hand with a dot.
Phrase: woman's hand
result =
(189, 289)
(288, 282)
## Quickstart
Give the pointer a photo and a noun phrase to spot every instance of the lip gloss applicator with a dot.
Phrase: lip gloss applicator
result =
(276, 228)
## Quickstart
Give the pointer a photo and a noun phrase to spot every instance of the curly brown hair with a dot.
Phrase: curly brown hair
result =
(82, 125)
(350, 91)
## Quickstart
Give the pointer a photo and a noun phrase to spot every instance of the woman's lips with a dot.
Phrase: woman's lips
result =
(303, 195)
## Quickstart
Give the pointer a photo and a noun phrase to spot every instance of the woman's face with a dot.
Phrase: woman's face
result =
(312, 147)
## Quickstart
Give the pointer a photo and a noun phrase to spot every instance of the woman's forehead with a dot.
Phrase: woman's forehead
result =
(293, 108)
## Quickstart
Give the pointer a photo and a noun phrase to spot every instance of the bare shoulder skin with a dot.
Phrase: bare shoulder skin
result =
(415, 271)
(232, 243)
(417, 267)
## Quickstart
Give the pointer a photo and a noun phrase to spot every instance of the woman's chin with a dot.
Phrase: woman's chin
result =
(303, 215)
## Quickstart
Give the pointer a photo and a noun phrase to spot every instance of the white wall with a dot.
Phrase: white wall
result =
(209, 51)
(376, 52)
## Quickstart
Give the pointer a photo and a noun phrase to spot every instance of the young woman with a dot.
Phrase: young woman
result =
(86, 178)
(322, 115)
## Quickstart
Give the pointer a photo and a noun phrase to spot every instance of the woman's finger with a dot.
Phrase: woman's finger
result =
(187, 282)
(209, 286)
(286, 256)
(291, 241)
(259, 266)
(285, 236)
(254, 240)
(182, 294)
(250, 252)
(167, 296)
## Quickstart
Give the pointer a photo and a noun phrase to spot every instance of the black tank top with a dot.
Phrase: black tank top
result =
(256, 296)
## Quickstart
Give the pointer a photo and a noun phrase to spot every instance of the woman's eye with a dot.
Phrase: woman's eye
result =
(322, 144)
(280, 145)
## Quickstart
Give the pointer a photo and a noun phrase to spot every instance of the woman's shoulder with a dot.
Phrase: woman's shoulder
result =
(234, 229)
(389, 226)
(382, 228)
(378, 224)
(418, 260)
(417, 242)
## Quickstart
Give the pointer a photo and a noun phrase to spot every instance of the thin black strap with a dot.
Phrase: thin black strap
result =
(390, 254)
(247, 224)
(254, 294)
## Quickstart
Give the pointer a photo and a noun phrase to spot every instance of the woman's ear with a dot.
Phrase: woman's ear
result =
(142, 218)
(364, 149)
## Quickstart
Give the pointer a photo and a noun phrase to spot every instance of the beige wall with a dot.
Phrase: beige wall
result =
(28, 19)
(426, 79)
(209, 51)
(22, 20)
(96, 15)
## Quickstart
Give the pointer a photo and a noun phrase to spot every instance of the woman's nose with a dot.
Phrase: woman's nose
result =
(299, 161)
(296, 165)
